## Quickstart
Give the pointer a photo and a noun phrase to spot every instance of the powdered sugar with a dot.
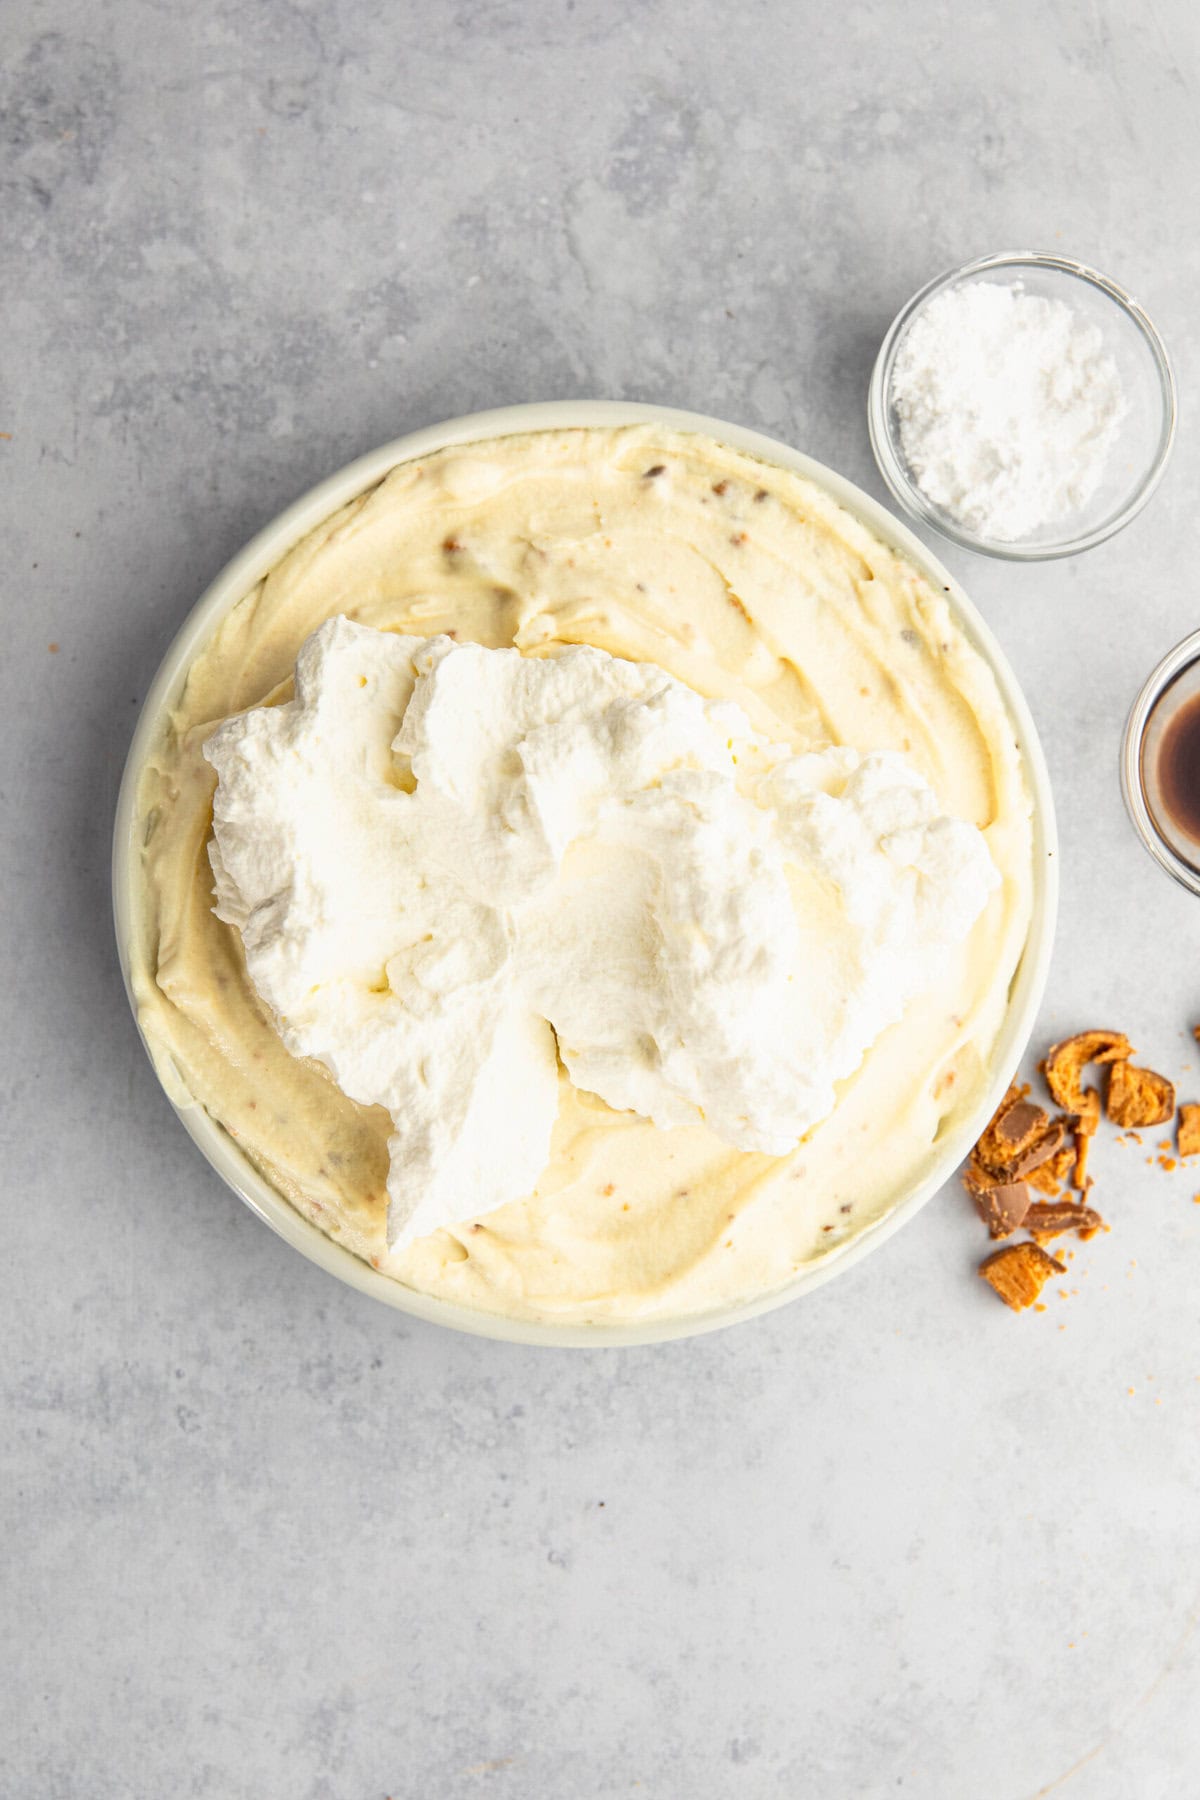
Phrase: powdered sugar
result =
(1008, 407)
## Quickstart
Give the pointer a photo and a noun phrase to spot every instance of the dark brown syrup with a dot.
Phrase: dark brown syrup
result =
(1177, 768)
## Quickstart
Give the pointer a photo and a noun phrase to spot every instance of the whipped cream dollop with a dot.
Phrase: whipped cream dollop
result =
(453, 867)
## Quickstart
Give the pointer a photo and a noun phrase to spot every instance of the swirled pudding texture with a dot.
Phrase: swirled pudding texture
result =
(834, 674)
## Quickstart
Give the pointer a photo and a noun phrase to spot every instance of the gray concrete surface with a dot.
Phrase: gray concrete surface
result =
(262, 1538)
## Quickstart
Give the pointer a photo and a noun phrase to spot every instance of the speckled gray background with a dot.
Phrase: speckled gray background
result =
(262, 1537)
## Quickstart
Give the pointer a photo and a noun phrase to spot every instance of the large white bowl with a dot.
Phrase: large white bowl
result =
(261, 555)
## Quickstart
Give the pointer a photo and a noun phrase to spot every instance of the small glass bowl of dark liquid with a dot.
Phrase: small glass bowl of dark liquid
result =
(1160, 764)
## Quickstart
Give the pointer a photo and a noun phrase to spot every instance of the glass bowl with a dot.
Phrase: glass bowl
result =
(1174, 683)
(1140, 454)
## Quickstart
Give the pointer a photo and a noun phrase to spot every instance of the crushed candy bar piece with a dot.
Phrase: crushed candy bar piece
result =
(1019, 1138)
(1188, 1133)
(1080, 1177)
(1048, 1179)
(1138, 1096)
(1012, 1130)
(1001, 1205)
(1019, 1272)
(1011, 1099)
(1050, 1218)
(1066, 1062)
(974, 1175)
(1019, 1125)
(1087, 1119)
(1043, 1149)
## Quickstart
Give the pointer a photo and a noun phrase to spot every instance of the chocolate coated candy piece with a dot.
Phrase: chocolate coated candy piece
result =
(1043, 1147)
(1050, 1218)
(1001, 1205)
(1019, 1126)
(1014, 1123)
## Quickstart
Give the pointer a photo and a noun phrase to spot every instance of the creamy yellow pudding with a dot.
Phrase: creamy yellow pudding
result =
(747, 583)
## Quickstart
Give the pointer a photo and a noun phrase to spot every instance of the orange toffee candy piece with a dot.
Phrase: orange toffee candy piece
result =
(1083, 1144)
(1066, 1062)
(1187, 1136)
(1019, 1272)
(1049, 1178)
(1088, 1118)
(1139, 1096)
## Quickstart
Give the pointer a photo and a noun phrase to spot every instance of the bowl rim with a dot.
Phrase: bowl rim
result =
(890, 460)
(1180, 657)
(266, 549)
